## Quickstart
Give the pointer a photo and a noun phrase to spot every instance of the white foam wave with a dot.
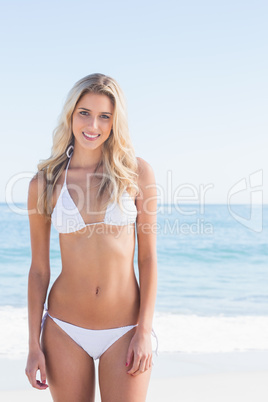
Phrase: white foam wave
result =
(176, 333)
(191, 333)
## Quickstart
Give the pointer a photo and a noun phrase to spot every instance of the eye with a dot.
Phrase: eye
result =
(83, 113)
(104, 116)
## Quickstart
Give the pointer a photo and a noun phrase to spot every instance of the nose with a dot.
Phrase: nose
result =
(93, 123)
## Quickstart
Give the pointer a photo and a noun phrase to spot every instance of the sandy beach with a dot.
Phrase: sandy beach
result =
(185, 377)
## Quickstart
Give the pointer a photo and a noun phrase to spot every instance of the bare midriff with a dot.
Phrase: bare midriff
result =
(97, 287)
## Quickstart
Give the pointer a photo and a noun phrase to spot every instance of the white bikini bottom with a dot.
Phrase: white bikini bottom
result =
(94, 341)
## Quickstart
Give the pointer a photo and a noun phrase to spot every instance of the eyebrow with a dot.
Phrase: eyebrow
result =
(83, 108)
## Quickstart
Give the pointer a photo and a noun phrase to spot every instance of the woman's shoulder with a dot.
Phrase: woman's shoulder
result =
(145, 170)
(38, 181)
(36, 188)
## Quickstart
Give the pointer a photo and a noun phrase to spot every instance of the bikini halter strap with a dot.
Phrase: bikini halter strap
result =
(70, 157)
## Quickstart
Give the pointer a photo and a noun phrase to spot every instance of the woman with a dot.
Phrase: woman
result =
(95, 192)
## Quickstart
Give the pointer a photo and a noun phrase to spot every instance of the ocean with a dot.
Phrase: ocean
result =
(212, 278)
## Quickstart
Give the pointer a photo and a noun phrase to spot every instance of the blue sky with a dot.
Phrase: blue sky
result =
(194, 75)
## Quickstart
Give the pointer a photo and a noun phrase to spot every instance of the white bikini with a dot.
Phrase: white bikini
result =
(66, 218)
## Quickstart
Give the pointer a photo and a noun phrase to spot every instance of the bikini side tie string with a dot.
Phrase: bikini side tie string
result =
(44, 316)
(155, 336)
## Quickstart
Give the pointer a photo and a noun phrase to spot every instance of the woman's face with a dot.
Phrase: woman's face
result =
(92, 120)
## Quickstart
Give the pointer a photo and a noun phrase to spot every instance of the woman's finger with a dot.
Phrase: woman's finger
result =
(135, 365)
(29, 375)
(129, 356)
(142, 367)
(151, 361)
(147, 366)
(40, 385)
(43, 373)
(32, 378)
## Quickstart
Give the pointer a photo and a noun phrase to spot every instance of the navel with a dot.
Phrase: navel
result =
(97, 290)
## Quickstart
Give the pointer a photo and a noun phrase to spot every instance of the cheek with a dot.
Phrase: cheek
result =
(76, 123)
(107, 126)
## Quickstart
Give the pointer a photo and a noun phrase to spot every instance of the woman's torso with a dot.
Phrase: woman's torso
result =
(97, 287)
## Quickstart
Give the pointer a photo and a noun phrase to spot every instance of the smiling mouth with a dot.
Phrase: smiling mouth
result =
(91, 135)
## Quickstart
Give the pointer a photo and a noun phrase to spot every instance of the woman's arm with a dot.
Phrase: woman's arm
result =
(38, 281)
(146, 203)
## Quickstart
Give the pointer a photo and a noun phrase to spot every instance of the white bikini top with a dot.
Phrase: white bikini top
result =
(66, 217)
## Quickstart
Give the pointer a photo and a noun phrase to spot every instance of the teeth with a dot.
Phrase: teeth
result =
(91, 136)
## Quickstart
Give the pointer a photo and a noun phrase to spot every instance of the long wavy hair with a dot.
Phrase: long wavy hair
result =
(118, 157)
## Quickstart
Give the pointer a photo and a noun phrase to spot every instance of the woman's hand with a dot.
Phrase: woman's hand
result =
(140, 352)
(35, 362)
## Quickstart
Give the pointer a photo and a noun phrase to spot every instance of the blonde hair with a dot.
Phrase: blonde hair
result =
(118, 157)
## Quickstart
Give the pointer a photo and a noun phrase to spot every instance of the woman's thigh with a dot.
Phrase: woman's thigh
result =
(70, 370)
(115, 384)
